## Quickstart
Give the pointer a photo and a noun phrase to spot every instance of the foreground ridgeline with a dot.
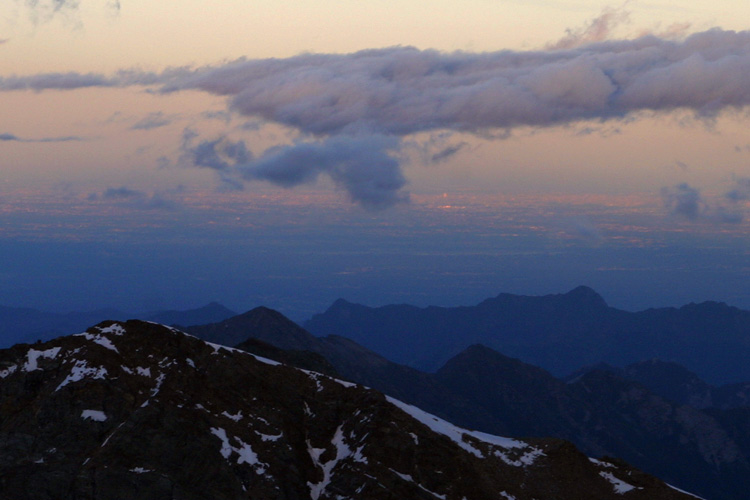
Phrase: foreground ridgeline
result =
(139, 410)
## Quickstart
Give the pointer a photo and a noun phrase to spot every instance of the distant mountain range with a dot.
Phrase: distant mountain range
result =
(139, 410)
(559, 333)
(19, 324)
(638, 413)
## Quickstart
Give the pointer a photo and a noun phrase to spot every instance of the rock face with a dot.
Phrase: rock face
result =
(139, 410)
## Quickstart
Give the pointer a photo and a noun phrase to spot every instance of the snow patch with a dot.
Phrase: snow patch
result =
(140, 470)
(190, 362)
(458, 435)
(318, 376)
(685, 492)
(601, 463)
(95, 415)
(236, 417)
(100, 339)
(115, 329)
(143, 372)
(620, 486)
(407, 477)
(245, 452)
(507, 496)
(525, 459)
(81, 371)
(8, 371)
(33, 355)
(342, 452)
(269, 437)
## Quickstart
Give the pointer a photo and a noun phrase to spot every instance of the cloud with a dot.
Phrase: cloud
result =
(447, 152)
(370, 97)
(6, 137)
(45, 10)
(219, 154)
(403, 90)
(134, 198)
(121, 193)
(152, 121)
(73, 81)
(363, 166)
(683, 201)
(598, 29)
(741, 190)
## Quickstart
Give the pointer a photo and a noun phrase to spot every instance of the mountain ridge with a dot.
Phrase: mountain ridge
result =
(483, 389)
(559, 332)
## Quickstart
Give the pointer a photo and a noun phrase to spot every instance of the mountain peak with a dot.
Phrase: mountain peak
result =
(262, 323)
(587, 295)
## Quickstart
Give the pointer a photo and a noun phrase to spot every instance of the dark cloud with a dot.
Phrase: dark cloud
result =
(152, 121)
(447, 152)
(135, 199)
(121, 193)
(218, 154)
(363, 166)
(683, 201)
(12, 137)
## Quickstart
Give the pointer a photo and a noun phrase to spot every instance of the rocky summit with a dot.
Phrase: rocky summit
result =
(139, 410)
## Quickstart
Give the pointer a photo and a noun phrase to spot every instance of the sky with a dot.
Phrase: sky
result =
(166, 154)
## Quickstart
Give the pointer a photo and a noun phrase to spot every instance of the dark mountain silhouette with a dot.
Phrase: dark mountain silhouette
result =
(139, 410)
(559, 333)
(601, 411)
(678, 384)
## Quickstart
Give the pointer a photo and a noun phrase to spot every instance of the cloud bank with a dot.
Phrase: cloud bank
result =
(403, 90)
(374, 98)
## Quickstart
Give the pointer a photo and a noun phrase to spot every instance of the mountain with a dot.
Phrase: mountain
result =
(678, 384)
(347, 359)
(603, 414)
(138, 410)
(559, 333)
(601, 411)
(18, 324)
